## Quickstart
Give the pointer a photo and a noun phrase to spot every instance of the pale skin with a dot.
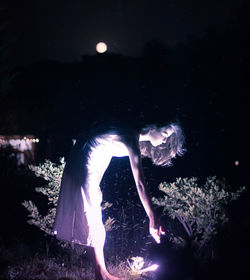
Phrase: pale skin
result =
(156, 137)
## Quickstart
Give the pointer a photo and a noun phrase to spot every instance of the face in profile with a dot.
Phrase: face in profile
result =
(159, 136)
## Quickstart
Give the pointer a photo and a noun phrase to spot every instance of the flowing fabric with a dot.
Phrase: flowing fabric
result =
(79, 215)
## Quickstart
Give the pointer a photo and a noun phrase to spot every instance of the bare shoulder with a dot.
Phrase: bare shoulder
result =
(130, 141)
(132, 144)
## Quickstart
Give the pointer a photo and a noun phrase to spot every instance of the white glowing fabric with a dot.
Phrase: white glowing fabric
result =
(79, 216)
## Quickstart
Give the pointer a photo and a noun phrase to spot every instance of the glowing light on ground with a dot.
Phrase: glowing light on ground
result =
(137, 264)
(101, 47)
(153, 267)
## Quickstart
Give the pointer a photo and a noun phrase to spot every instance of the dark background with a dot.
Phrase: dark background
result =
(166, 59)
(65, 31)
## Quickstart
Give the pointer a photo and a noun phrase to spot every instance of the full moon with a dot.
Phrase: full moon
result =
(101, 47)
(236, 162)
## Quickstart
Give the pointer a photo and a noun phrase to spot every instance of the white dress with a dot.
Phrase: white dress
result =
(79, 215)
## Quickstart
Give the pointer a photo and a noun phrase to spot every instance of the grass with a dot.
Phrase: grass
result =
(48, 269)
(51, 269)
(40, 267)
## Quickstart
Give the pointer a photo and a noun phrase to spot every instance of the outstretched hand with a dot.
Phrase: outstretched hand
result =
(155, 229)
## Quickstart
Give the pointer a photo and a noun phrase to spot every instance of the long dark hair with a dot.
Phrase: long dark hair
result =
(164, 153)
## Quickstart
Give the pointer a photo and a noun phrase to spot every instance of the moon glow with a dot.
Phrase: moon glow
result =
(101, 47)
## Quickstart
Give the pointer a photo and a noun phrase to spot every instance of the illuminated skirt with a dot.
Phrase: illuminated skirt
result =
(79, 215)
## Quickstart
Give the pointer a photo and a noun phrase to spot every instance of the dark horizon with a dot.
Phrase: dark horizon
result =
(61, 31)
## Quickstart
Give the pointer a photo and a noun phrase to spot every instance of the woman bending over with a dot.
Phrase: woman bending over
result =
(79, 215)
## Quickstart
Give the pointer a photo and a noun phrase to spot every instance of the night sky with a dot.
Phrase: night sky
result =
(206, 67)
(208, 91)
(66, 30)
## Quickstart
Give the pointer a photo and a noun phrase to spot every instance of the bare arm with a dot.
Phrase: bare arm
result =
(136, 165)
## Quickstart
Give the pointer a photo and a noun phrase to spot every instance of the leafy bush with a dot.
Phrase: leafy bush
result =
(199, 209)
(52, 173)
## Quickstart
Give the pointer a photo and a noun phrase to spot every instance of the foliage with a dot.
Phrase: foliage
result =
(52, 173)
(23, 264)
(51, 268)
(199, 208)
(42, 268)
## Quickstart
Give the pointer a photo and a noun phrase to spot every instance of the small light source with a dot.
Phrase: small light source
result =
(101, 47)
(153, 267)
(137, 266)
(236, 162)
